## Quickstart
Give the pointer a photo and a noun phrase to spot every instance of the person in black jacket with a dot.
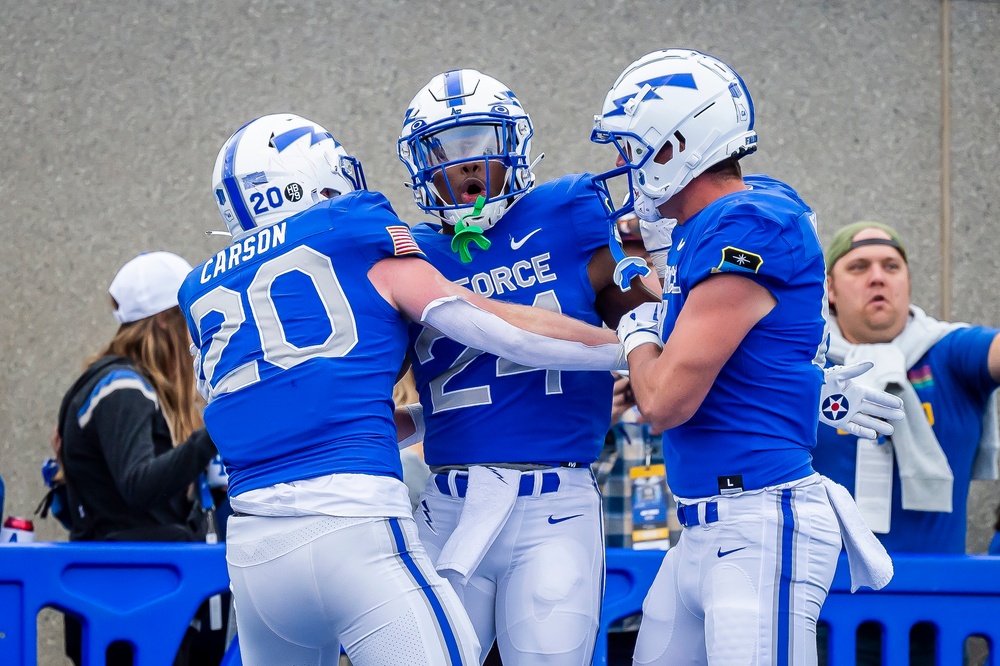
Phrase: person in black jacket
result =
(132, 438)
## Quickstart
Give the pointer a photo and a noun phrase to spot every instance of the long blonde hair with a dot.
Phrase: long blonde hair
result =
(159, 347)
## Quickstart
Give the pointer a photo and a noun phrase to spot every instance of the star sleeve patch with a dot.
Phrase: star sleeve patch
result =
(735, 260)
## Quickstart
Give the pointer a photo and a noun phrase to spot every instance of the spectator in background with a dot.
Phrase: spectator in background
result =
(946, 375)
(130, 432)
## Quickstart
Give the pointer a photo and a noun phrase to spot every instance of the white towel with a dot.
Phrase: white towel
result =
(489, 501)
(924, 472)
(869, 562)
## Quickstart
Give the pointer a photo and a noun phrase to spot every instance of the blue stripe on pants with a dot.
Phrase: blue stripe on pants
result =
(411, 566)
(785, 584)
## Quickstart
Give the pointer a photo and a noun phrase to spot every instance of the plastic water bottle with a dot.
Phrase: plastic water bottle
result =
(17, 530)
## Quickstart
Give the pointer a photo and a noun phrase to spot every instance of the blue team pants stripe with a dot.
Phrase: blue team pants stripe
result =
(785, 581)
(435, 603)
(232, 187)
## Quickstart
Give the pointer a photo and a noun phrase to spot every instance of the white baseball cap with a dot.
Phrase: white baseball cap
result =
(148, 285)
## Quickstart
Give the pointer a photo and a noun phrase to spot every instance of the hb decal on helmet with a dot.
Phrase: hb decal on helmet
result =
(672, 114)
(465, 136)
(276, 166)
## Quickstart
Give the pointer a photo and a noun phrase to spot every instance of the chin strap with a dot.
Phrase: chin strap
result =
(467, 234)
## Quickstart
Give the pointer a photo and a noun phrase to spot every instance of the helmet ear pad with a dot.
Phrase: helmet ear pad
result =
(277, 166)
(465, 135)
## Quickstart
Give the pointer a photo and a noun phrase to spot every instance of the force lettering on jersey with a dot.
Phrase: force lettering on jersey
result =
(264, 240)
(521, 275)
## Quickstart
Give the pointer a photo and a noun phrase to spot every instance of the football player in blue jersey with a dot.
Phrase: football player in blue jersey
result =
(531, 562)
(730, 367)
(466, 144)
(299, 329)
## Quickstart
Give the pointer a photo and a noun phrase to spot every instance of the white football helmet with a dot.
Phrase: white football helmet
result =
(672, 114)
(276, 166)
(460, 124)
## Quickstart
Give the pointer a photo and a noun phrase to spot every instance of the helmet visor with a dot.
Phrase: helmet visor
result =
(460, 142)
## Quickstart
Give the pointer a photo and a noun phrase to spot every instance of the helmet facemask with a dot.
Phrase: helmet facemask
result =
(465, 136)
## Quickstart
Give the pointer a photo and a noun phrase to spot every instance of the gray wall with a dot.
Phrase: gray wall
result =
(115, 112)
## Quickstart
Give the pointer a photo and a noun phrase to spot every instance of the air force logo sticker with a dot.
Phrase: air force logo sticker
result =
(835, 407)
(735, 260)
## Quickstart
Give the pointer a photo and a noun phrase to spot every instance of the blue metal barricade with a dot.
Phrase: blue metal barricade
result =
(146, 594)
(141, 593)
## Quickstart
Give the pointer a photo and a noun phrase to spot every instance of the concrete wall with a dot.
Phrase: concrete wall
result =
(115, 112)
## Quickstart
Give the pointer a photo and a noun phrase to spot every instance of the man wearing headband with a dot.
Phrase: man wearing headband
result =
(911, 487)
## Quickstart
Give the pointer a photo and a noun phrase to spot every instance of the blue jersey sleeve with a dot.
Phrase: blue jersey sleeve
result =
(968, 353)
(379, 233)
(745, 243)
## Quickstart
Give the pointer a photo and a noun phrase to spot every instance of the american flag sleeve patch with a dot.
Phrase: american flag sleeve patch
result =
(402, 241)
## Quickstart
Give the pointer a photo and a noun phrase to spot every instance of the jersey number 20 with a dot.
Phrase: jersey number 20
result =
(274, 344)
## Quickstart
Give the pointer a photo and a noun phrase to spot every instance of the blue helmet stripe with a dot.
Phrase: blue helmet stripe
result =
(233, 187)
(453, 87)
(746, 91)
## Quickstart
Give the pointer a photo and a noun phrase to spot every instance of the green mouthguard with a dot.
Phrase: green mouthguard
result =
(467, 234)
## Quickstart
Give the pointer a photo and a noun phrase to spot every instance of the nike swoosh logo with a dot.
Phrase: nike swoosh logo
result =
(516, 245)
(553, 520)
(723, 553)
(680, 246)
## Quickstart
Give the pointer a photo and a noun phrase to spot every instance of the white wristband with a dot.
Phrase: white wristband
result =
(640, 338)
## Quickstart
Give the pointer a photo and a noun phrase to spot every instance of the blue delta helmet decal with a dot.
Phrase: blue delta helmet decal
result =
(465, 137)
(276, 166)
(314, 132)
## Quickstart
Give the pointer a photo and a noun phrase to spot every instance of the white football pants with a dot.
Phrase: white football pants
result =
(745, 590)
(302, 586)
(538, 589)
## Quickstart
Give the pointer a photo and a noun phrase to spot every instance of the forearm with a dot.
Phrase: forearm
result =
(545, 323)
(477, 328)
(668, 393)
(409, 421)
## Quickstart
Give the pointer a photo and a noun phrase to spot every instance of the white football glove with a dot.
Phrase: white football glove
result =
(656, 238)
(860, 410)
(640, 326)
